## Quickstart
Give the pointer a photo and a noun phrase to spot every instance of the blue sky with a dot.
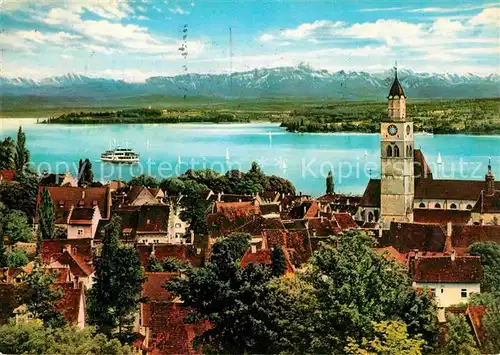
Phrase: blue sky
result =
(133, 40)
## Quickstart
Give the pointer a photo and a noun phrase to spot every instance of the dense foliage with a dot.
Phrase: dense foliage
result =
(490, 259)
(85, 174)
(7, 154)
(16, 227)
(46, 216)
(17, 258)
(344, 296)
(21, 155)
(114, 298)
(459, 339)
(35, 338)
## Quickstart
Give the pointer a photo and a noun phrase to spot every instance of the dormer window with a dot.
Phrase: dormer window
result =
(61, 203)
(94, 203)
(80, 203)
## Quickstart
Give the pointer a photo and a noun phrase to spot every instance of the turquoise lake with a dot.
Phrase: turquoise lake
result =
(305, 159)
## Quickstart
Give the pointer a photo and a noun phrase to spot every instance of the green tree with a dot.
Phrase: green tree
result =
(154, 265)
(42, 298)
(22, 155)
(354, 287)
(172, 186)
(17, 227)
(391, 338)
(232, 299)
(3, 217)
(7, 154)
(85, 174)
(115, 295)
(34, 338)
(329, 184)
(459, 339)
(46, 216)
(278, 261)
(17, 258)
(490, 259)
(195, 206)
(21, 196)
(173, 265)
(143, 180)
(491, 323)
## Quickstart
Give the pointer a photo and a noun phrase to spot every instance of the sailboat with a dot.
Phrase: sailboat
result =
(283, 165)
(179, 161)
(366, 153)
(227, 153)
(440, 160)
(270, 136)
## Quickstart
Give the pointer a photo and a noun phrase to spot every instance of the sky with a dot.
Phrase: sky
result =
(134, 40)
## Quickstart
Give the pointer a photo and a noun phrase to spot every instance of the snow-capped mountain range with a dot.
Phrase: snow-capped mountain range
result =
(301, 80)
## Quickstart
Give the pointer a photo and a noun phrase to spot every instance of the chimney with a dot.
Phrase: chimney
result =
(191, 236)
(83, 193)
(319, 213)
(380, 232)
(314, 232)
(321, 217)
(280, 208)
(348, 202)
(453, 255)
(218, 196)
(416, 253)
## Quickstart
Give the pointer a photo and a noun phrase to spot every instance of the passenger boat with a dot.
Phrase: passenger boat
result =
(120, 155)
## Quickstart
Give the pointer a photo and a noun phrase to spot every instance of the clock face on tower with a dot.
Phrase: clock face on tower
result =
(392, 130)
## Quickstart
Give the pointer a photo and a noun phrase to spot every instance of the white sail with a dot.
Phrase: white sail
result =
(270, 136)
(366, 153)
(227, 153)
(283, 165)
(179, 161)
(440, 160)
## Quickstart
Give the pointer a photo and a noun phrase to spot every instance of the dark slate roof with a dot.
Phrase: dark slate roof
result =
(81, 215)
(449, 189)
(467, 269)
(396, 88)
(406, 237)
(153, 219)
(488, 202)
(463, 236)
(371, 196)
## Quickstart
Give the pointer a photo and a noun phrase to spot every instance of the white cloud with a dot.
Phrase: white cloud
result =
(376, 9)
(178, 10)
(158, 9)
(487, 17)
(141, 9)
(192, 4)
(443, 10)
(141, 17)
(309, 29)
(66, 56)
(266, 37)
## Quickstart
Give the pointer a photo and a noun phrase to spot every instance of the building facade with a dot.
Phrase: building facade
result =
(397, 171)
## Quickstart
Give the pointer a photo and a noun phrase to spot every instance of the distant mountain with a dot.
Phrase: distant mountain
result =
(300, 81)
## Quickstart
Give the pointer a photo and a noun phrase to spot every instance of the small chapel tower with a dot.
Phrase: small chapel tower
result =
(397, 172)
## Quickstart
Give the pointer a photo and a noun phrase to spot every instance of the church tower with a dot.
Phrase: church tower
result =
(397, 174)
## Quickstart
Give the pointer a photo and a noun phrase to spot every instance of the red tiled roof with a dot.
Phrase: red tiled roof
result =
(273, 237)
(64, 198)
(463, 236)
(345, 221)
(392, 254)
(297, 243)
(466, 269)
(229, 216)
(323, 227)
(79, 266)
(476, 314)
(153, 288)
(441, 217)
(182, 252)
(257, 225)
(263, 257)
(488, 203)
(69, 304)
(420, 166)
(406, 237)
(7, 175)
(52, 249)
(312, 211)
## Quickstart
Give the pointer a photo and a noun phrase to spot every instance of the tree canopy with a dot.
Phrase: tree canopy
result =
(17, 228)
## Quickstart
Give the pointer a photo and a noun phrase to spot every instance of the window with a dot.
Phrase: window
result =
(408, 129)
(463, 293)
(80, 231)
(433, 291)
(396, 151)
(370, 217)
(453, 206)
(389, 151)
(469, 207)
(442, 290)
(437, 205)
(177, 225)
(422, 205)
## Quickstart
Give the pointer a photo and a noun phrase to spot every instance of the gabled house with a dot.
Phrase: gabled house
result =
(138, 196)
(451, 279)
(72, 304)
(77, 209)
(263, 257)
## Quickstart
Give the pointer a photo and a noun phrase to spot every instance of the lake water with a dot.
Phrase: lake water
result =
(305, 159)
